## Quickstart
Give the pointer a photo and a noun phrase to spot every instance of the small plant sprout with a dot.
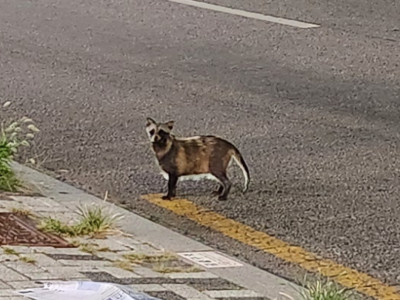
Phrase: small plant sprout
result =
(22, 211)
(10, 251)
(28, 260)
(89, 248)
(123, 264)
(139, 258)
(324, 290)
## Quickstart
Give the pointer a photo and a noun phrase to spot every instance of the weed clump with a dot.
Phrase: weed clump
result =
(13, 136)
(325, 290)
(92, 221)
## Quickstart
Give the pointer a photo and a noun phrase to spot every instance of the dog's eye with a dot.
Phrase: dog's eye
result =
(152, 132)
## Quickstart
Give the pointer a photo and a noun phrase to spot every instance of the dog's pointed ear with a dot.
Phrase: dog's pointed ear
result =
(170, 124)
(150, 121)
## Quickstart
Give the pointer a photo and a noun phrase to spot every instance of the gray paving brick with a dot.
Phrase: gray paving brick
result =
(21, 249)
(232, 294)
(53, 273)
(86, 263)
(65, 272)
(42, 276)
(192, 275)
(84, 269)
(23, 267)
(119, 273)
(7, 293)
(13, 298)
(68, 251)
(127, 241)
(86, 256)
(3, 285)
(122, 243)
(38, 203)
(43, 260)
(41, 249)
(186, 291)
(166, 295)
(109, 255)
(20, 285)
(8, 257)
(147, 248)
(111, 244)
(10, 275)
(148, 287)
(50, 211)
(145, 272)
(9, 204)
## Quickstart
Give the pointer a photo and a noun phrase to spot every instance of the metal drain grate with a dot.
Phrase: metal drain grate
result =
(19, 230)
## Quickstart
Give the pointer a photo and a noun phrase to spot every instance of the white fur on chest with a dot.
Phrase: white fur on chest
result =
(191, 177)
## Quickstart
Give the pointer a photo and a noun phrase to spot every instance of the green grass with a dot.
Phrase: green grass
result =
(325, 290)
(93, 248)
(103, 249)
(22, 212)
(9, 251)
(8, 181)
(55, 226)
(88, 248)
(145, 258)
(161, 263)
(28, 260)
(123, 264)
(92, 221)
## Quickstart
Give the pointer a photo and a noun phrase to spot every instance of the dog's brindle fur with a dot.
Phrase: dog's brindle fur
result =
(193, 156)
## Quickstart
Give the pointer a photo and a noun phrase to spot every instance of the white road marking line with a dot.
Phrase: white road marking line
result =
(246, 14)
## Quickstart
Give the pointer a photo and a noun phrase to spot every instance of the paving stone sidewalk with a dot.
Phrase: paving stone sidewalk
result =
(117, 258)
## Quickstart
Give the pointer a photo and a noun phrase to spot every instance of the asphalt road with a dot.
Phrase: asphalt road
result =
(315, 112)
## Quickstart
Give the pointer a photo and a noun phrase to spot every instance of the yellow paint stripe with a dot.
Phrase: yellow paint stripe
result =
(345, 276)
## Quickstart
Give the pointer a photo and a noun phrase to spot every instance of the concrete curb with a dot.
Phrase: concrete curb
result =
(246, 275)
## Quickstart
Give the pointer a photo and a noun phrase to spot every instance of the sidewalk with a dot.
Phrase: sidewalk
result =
(167, 265)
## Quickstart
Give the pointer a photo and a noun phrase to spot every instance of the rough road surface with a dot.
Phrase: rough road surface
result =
(315, 112)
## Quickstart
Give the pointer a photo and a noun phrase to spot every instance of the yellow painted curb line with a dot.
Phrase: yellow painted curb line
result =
(345, 276)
